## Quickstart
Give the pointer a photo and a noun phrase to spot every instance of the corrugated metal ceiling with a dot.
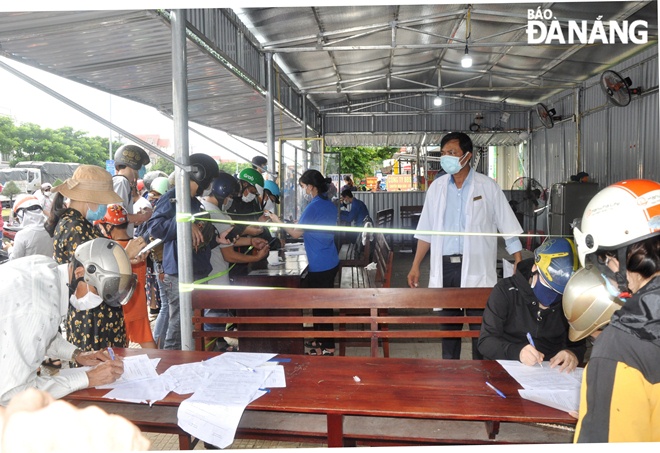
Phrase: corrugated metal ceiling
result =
(335, 56)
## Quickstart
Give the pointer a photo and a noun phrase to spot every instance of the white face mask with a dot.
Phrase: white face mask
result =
(86, 302)
(270, 206)
(207, 192)
(227, 204)
(249, 197)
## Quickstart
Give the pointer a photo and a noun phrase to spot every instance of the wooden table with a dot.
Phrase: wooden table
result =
(402, 388)
(290, 274)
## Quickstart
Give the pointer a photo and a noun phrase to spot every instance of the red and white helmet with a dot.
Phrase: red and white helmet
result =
(616, 217)
(619, 215)
(114, 215)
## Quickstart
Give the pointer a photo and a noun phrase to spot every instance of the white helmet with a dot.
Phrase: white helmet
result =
(108, 269)
(616, 217)
(587, 304)
(619, 215)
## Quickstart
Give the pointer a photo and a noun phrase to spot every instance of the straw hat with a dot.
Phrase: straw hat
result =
(91, 184)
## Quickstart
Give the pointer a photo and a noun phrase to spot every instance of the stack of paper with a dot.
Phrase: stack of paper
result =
(221, 389)
(545, 385)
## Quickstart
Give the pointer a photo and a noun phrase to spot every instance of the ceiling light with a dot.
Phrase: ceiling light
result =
(466, 61)
(437, 101)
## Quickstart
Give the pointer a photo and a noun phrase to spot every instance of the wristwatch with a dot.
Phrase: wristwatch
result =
(76, 353)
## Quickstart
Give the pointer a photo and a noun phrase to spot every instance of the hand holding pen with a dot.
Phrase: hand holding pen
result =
(529, 355)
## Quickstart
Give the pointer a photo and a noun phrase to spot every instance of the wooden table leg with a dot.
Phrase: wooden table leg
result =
(492, 429)
(184, 442)
(335, 430)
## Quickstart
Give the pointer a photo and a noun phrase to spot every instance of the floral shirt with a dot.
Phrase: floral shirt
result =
(100, 327)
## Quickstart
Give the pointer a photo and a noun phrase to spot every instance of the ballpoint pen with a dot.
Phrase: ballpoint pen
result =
(531, 341)
(112, 353)
(499, 392)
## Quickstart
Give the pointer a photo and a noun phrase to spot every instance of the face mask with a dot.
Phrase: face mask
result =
(546, 296)
(227, 204)
(613, 290)
(307, 197)
(451, 164)
(98, 214)
(207, 192)
(269, 206)
(249, 197)
(86, 302)
(141, 172)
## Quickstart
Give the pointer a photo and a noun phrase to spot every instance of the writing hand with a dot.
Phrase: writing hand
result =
(105, 373)
(530, 356)
(92, 358)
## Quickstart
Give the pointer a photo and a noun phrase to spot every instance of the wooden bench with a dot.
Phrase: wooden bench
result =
(409, 215)
(409, 313)
(385, 218)
(363, 275)
(358, 252)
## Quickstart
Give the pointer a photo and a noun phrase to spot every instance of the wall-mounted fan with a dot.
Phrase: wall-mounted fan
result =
(547, 116)
(529, 198)
(617, 88)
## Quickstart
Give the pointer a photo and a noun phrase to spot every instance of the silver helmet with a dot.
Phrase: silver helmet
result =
(108, 269)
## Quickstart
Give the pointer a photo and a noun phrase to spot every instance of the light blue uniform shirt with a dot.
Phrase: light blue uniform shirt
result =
(454, 219)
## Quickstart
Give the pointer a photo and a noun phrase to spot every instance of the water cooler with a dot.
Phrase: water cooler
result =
(567, 203)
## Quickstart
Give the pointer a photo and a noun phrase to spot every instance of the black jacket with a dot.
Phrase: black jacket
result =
(512, 311)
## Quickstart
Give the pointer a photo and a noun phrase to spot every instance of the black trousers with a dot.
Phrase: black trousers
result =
(451, 347)
(325, 279)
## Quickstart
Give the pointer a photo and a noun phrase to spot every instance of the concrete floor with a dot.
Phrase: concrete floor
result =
(411, 349)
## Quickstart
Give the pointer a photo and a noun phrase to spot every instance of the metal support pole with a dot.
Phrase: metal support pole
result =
(181, 153)
(270, 111)
(304, 129)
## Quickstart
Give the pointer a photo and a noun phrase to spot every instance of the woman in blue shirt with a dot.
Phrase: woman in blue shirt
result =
(319, 245)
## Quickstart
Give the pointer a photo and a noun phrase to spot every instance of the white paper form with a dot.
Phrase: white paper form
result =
(545, 385)
(542, 378)
(187, 377)
(563, 400)
(136, 368)
(212, 414)
(141, 391)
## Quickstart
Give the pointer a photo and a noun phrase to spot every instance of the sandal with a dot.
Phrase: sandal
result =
(320, 352)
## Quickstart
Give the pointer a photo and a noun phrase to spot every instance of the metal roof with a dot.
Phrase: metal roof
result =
(338, 64)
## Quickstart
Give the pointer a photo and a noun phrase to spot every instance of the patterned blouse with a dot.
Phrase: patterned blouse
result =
(99, 327)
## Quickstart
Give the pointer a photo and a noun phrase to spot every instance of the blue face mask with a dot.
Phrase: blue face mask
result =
(546, 296)
(141, 172)
(98, 214)
(613, 290)
(451, 164)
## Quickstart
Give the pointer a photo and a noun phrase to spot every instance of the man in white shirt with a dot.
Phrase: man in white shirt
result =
(463, 201)
(35, 293)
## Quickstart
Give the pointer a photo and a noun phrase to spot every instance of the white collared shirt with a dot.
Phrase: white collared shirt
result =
(34, 299)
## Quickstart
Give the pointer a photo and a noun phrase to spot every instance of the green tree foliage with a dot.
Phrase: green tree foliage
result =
(10, 190)
(29, 141)
(363, 161)
(8, 140)
(233, 167)
(163, 165)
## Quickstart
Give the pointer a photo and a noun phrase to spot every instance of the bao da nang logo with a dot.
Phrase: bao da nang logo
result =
(544, 28)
